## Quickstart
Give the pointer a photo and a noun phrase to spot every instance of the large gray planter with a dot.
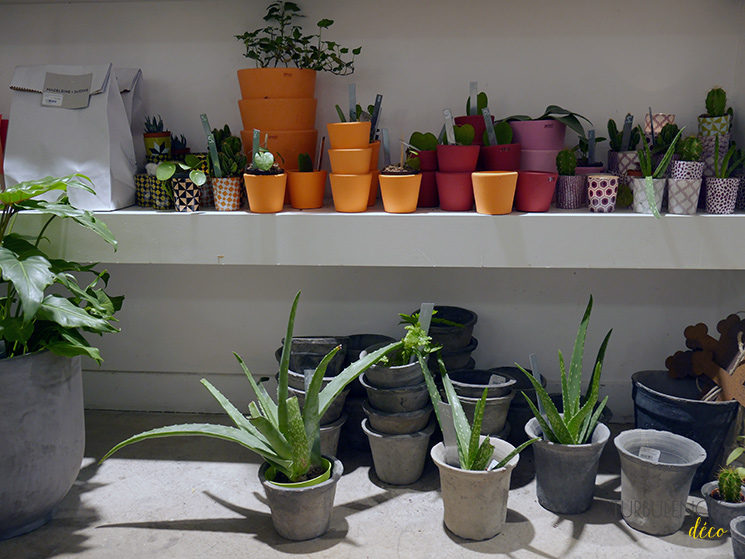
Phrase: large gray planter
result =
(397, 423)
(475, 502)
(565, 474)
(737, 531)
(495, 412)
(657, 468)
(452, 338)
(302, 513)
(397, 399)
(398, 459)
(471, 382)
(43, 437)
(721, 513)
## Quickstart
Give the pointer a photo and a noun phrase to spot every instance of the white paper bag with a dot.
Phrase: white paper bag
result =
(130, 88)
(51, 140)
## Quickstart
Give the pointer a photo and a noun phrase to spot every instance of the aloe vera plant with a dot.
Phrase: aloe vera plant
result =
(577, 422)
(725, 166)
(645, 164)
(279, 432)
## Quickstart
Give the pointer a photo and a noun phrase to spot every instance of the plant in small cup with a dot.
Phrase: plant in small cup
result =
(583, 152)
(461, 156)
(717, 120)
(724, 497)
(265, 181)
(424, 148)
(535, 133)
(183, 185)
(179, 147)
(570, 188)
(474, 116)
(560, 487)
(649, 189)
(157, 139)
(286, 438)
(504, 155)
(622, 158)
(400, 184)
(307, 185)
(686, 173)
(721, 189)
(228, 169)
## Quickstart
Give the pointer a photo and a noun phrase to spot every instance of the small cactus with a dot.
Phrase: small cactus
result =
(232, 159)
(304, 163)
(730, 484)
(566, 162)
(220, 134)
(615, 138)
(716, 102)
(178, 142)
(690, 149)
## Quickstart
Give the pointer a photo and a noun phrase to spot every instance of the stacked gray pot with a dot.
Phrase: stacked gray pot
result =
(306, 352)
(452, 328)
(398, 424)
(469, 385)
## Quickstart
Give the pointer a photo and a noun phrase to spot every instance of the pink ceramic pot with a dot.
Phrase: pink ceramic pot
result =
(543, 160)
(457, 159)
(455, 191)
(477, 121)
(504, 157)
(539, 134)
(428, 191)
(534, 191)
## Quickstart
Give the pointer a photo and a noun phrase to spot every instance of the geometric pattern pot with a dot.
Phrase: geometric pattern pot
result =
(571, 192)
(659, 120)
(602, 191)
(686, 170)
(152, 193)
(713, 125)
(639, 187)
(683, 195)
(185, 195)
(206, 195)
(721, 195)
(227, 192)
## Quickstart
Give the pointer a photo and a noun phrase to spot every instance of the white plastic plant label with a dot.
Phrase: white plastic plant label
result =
(651, 454)
(66, 91)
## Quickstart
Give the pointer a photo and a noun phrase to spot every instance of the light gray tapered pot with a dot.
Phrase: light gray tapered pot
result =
(398, 459)
(565, 473)
(721, 513)
(737, 531)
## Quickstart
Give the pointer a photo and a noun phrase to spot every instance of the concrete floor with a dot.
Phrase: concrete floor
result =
(198, 498)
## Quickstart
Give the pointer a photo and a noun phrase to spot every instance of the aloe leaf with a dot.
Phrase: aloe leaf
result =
(235, 415)
(473, 445)
(649, 191)
(574, 382)
(564, 386)
(503, 462)
(434, 394)
(480, 460)
(278, 443)
(299, 443)
(311, 417)
(589, 428)
(558, 428)
(284, 365)
(545, 427)
(598, 361)
(339, 112)
(460, 421)
(662, 167)
(267, 404)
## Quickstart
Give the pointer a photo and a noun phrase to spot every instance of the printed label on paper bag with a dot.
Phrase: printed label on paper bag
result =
(66, 91)
(651, 454)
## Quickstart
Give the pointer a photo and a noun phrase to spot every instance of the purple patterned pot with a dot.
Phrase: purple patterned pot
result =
(721, 195)
(740, 204)
(602, 191)
(571, 192)
(688, 170)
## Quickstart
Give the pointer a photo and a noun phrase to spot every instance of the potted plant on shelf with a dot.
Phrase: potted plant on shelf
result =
(183, 186)
(424, 148)
(456, 160)
(46, 313)
(649, 188)
(546, 132)
(503, 154)
(686, 174)
(622, 157)
(299, 482)
(567, 457)
(724, 498)
(717, 120)
(474, 116)
(400, 184)
(721, 189)
(157, 140)
(265, 181)
(307, 185)
(228, 170)
(585, 151)
(570, 188)
(179, 147)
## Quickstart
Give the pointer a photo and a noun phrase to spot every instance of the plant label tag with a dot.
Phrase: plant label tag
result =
(449, 126)
(651, 454)
(386, 147)
(490, 134)
(626, 136)
(590, 146)
(473, 92)
(66, 91)
(352, 102)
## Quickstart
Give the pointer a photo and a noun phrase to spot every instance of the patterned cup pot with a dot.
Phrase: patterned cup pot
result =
(206, 195)
(659, 120)
(740, 204)
(713, 125)
(227, 191)
(682, 195)
(687, 170)
(571, 192)
(185, 195)
(639, 188)
(721, 195)
(602, 191)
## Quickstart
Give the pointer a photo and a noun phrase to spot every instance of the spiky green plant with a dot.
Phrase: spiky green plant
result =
(178, 143)
(577, 422)
(566, 162)
(690, 149)
(583, 148)
(730, 485)
(716, 102)
(361, 115)
(153, 125)
(304, 163)
(232, 159)
(665, 137)
(615, 138)
(645, 164)
(724, 167)
(221, 134)
(288, 439)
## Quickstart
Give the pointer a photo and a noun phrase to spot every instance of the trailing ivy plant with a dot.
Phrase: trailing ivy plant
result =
(283, 43)
(43, 306)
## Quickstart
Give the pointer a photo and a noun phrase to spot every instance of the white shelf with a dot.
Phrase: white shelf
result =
(428, 238)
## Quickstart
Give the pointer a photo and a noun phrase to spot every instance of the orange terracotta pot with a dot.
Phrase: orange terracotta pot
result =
(306, 189)
(494, 191)
(374, 183)
(266, 193)
(350, 192)
(350, 161)
(347, 135)
(400, 192)
(285, 143)
(260, 83)
(278, 114)
(375, 155)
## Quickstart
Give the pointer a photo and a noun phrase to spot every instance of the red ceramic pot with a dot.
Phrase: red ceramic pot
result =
(455, 191)
(427, 160)
(500, 158)
(539, 134)
(457, 159)
(428, 191)
(534, 191)
(477, 121)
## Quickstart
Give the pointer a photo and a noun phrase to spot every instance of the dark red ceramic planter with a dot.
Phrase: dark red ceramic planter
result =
(500, 158)
(428, 191)
(534, 191)
(457, 159)
(455, 191)
(427, 160)
(477, 121)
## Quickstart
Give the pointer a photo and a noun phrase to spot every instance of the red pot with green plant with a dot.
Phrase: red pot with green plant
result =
(423, 148)
(498, 153)
(460, 157)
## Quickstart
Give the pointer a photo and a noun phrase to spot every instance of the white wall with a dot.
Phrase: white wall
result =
(599, 58)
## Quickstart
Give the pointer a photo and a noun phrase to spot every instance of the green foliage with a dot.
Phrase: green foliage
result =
(153, 125)
(583, 146)
(566, 162)
(464, 135)
(723, 168)
(279, 432)
(263, 160)
(615, 138)
(167, 169)
(554, 112)
(734, 455)
(415, 341)
(578, 421)
(423, 141)
(360, 115)
(44, 306)
(283, 43)
(730, 483)
(503, 131)
(221, 134)
(664, 138)
(304, 163)
(482, 101)
(690, 149)
(716, 102)
(645, 157)
(178, 142)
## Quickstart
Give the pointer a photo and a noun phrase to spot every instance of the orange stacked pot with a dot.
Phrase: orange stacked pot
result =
(280, 102)
(351, 158)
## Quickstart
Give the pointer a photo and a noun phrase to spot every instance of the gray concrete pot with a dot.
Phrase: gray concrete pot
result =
(471, 382)
(475, 503)
(452, 338)
(495, 412)
(302, 513)
(297, 380)
(398, 459)
(654, 488)
(737, 531)
(565, 474)
(397, 423)
(457, 358)
(43, 437)
(330, 435)
(306, 352)
(334, 410)
(381, 376)
(721, 513)
(398, 399)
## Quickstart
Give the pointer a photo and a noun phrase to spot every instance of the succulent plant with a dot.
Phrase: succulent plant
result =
(263, 160)
(178, 143)
(361, 115)
(503, 132)
(645, 157)
(232, 158)
(583, 148)
(730, 484)
(716, 102)
(464, 135)
(690, 149)
(423, 141)
(724, 167)
(566, 162)
(304, 163)
(615, 138)
(153, 125)
(220, 134)
(482, 101)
